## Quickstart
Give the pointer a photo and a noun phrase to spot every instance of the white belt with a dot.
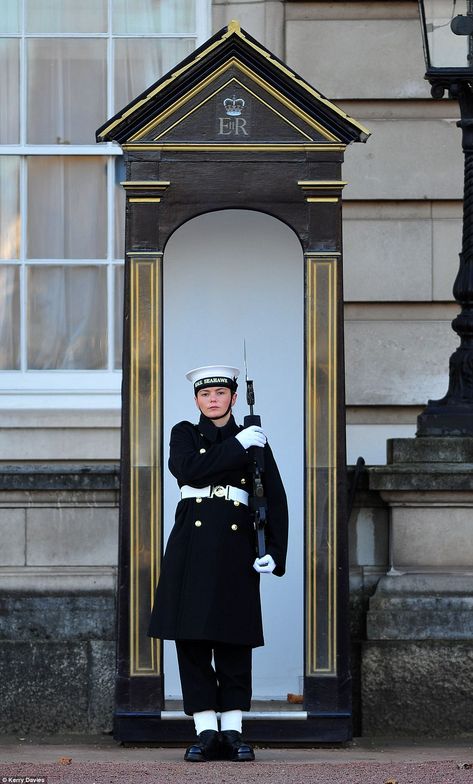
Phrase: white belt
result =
(228, 492)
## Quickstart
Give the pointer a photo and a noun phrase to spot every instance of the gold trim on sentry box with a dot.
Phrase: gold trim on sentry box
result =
(234, 62)
(322, 199)
(218, 90)
(283, 147)
(145, 278)
(267, 88)
(144, 200)
(321, 281)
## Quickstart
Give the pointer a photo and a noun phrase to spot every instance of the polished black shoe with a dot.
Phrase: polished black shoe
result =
(206, 748)
(234, 747)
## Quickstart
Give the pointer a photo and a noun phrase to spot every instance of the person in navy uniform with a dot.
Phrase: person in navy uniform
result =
(207, 598)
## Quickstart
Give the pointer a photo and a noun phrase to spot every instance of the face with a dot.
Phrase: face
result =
(214, 403)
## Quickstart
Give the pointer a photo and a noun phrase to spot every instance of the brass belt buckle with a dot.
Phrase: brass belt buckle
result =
(219, 491)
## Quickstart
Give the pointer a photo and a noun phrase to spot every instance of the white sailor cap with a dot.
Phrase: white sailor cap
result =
(213, 376)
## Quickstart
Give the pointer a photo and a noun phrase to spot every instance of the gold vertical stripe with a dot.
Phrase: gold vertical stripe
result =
(133, 493)
(311, 460)
(156, 522)
(152, 431)
(333, 431)
(144, 279)
(321, 280)
(326, 267)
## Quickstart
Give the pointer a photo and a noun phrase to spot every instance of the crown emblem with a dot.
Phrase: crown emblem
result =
(234, 106)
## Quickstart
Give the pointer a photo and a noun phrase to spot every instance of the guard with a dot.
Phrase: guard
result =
(207, 598)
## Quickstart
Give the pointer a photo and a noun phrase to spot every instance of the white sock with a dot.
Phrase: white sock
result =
(231, 720)
(205, 720)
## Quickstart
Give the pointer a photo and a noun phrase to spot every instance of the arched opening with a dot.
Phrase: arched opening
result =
(228, 276)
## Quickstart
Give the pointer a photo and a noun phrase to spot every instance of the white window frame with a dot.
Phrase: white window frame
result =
(63, 389)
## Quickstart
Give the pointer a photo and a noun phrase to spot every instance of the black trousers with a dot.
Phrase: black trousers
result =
(227, 687)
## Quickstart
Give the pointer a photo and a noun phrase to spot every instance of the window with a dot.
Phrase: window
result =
(65, 68)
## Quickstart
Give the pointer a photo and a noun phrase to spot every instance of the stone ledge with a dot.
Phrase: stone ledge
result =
(422, 476)
(65, 476)
(422, 607)
(420, 624)
(57, 617)
(430, 450)
(32, 580)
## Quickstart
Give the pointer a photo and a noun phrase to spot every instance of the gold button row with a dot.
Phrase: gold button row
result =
(198, 523)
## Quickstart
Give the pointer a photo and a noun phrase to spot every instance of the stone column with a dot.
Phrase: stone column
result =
(417, 661)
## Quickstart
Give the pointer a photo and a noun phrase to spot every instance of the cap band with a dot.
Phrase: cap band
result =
(216, 381)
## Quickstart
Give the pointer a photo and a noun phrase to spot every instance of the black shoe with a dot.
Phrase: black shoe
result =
(234, 747)
(206, 748)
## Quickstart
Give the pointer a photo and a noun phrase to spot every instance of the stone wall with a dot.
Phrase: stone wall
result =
(57, 594)
(57, 597)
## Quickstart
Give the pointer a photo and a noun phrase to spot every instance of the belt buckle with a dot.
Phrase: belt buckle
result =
(219, 491)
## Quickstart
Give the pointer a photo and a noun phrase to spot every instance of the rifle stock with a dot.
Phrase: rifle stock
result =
(257, 501)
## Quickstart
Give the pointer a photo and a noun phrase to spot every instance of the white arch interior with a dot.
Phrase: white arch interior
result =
(232, 275)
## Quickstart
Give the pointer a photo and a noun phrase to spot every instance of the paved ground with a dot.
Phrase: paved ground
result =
(77, 760)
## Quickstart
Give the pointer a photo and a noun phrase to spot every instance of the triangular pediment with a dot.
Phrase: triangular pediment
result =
(231, 91)
(234, 105)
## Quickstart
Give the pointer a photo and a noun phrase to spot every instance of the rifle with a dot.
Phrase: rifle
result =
(257, 501)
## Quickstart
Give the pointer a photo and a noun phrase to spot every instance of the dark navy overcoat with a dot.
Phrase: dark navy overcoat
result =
(208, 589)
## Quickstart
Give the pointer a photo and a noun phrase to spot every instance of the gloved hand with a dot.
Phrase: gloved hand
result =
(265, 564)
(251, 436)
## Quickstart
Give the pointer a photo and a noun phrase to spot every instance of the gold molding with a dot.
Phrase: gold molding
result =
(244, 87)
(148, 253)
(322, 200)
(145, 200)
(283, 147)
(326, 254)
(321, 464)
(232, 63)
(145, 439)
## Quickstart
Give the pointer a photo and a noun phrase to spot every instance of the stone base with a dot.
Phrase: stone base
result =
(56, 687)
(422, 607)
(418, 660)
(57, 663)
(417, 688)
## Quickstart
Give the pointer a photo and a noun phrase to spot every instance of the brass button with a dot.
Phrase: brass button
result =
(236, 503)
(198, 523)
(234, 527)
(202, 451)
(198, 500)
(243, 482)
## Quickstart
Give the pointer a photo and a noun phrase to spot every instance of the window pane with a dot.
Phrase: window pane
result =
(66, 207)
(141, 62)
(10, 16)
(9, 317)
(118, 306)
(66, 90)
(153, 16)
(9, 91)
(67, 318)
(66, 16)
(9, 207)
